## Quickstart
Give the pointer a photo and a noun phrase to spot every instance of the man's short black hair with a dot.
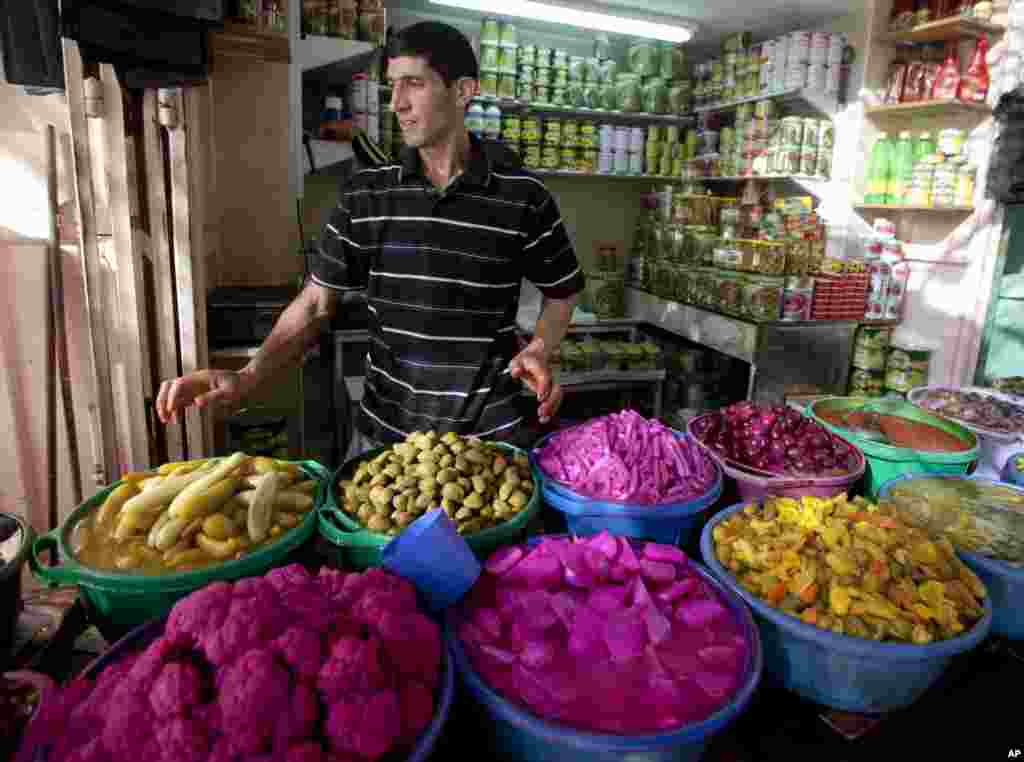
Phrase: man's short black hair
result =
(445, 49)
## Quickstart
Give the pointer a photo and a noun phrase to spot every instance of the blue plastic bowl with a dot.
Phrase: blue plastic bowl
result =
(842, 671)
(146, 633)
(669, 523)
(1004, 582)
(521, 736)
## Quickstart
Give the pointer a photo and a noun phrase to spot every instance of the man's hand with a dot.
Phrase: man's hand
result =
(532, 367)
(201, 388)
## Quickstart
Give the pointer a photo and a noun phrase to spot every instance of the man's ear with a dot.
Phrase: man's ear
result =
(467, 89)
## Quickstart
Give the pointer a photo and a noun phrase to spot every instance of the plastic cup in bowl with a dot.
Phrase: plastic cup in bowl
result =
(432, 555)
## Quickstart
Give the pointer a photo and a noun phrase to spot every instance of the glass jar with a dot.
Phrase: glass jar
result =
(655, 96)
(629, 95)
(643, 59)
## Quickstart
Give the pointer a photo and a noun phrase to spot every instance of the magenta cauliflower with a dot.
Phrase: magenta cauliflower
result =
(289, 667)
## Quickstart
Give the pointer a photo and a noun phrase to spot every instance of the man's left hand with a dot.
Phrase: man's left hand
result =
(532, 367)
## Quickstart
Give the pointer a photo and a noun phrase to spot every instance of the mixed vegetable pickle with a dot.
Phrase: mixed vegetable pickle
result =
(851, 567)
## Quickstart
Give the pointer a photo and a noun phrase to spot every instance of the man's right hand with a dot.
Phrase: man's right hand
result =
(225, 388)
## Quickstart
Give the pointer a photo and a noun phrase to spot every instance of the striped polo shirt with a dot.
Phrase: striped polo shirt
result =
(442, 272)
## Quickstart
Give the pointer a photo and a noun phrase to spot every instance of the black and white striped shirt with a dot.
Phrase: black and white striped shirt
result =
(442, 272)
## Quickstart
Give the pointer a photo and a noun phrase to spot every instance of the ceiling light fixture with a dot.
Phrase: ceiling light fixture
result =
(560, 14)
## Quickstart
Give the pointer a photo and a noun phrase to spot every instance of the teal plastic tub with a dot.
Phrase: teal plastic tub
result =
(885, 462)
(842, 671)
(348, 544)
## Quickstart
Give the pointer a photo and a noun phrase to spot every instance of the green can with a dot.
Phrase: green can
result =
(531, 155)
(907, 368)
(873, 337)
(549, 157)
(867, 383)
(553, 132)
(568, 158)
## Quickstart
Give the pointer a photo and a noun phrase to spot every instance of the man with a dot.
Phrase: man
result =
(440, 244)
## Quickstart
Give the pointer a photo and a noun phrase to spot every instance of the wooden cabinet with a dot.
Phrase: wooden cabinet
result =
(257, 81)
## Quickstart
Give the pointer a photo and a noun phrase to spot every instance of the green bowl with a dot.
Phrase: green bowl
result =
(885, 462)
(359, 548)
(118, 602)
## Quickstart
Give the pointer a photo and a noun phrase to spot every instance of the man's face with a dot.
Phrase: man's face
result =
(428, 111)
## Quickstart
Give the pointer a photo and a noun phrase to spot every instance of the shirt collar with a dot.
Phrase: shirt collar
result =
(477, 171)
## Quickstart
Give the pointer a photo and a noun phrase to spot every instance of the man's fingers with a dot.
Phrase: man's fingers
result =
(161, 402)
(216, 395)
(550, 406)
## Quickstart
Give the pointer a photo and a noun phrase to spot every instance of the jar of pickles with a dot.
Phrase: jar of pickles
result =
(553, 132)
(531, 155)
(655, 96)
(629, 95)
(643, 59)
(530, 129)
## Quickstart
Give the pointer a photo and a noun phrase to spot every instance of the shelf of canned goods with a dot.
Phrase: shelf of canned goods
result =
(599, 114)
(799, 101)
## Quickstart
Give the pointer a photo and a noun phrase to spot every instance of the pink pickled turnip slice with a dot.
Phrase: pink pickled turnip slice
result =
(535, 609)
(644, 608)
(677, 590)
(540, 569)
(608, 599)
(699, 613)
(726, 658)
(625, 636)
(537, 654)
(489, 622)
(586, 637)
(577, 572)
(565, 606)
(502, 560)
(627, 556)
(658, 572)
(470, 633)
(499, 655)
(515, 637)
(717, 685)
(605, 543)
(678, 654)
(597, 562)
(666, 553)
(664, 700)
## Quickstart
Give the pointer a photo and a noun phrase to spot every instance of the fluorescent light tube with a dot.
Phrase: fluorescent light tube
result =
(560, 14)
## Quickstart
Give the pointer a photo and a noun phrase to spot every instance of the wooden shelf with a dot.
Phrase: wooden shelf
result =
(598, 175)
(812, 185)
(952, 28)
(928, 108)
(241, 41)
(800, 101)
(910, 208)
(599, 114)
(312, 52)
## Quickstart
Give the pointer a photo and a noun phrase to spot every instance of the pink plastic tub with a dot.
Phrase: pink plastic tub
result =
(755, 486)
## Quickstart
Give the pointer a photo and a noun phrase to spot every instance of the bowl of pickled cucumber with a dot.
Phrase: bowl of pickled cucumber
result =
(486, 488)
(151, 538)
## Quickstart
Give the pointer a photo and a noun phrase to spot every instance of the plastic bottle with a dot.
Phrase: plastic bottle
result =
(879, 169)
(924, 146)
(947, 84)
(974, 84)
(898, 186)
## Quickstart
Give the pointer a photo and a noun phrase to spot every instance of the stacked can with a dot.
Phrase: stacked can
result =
(530, 138)
(526, 73)
(879, 271)
(490, 39)
(551, 147)
(606, 148)
(364, 100)
(492, 122)
(870, 349)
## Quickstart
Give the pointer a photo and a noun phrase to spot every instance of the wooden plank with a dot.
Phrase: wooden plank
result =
(196, 109)
(133, 362)
(239, 41)
(929, 108)
(163, 275)
(952, 28)
(102, 413)
(184, 275)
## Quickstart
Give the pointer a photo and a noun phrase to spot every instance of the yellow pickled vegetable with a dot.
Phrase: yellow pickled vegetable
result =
(851, 567)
